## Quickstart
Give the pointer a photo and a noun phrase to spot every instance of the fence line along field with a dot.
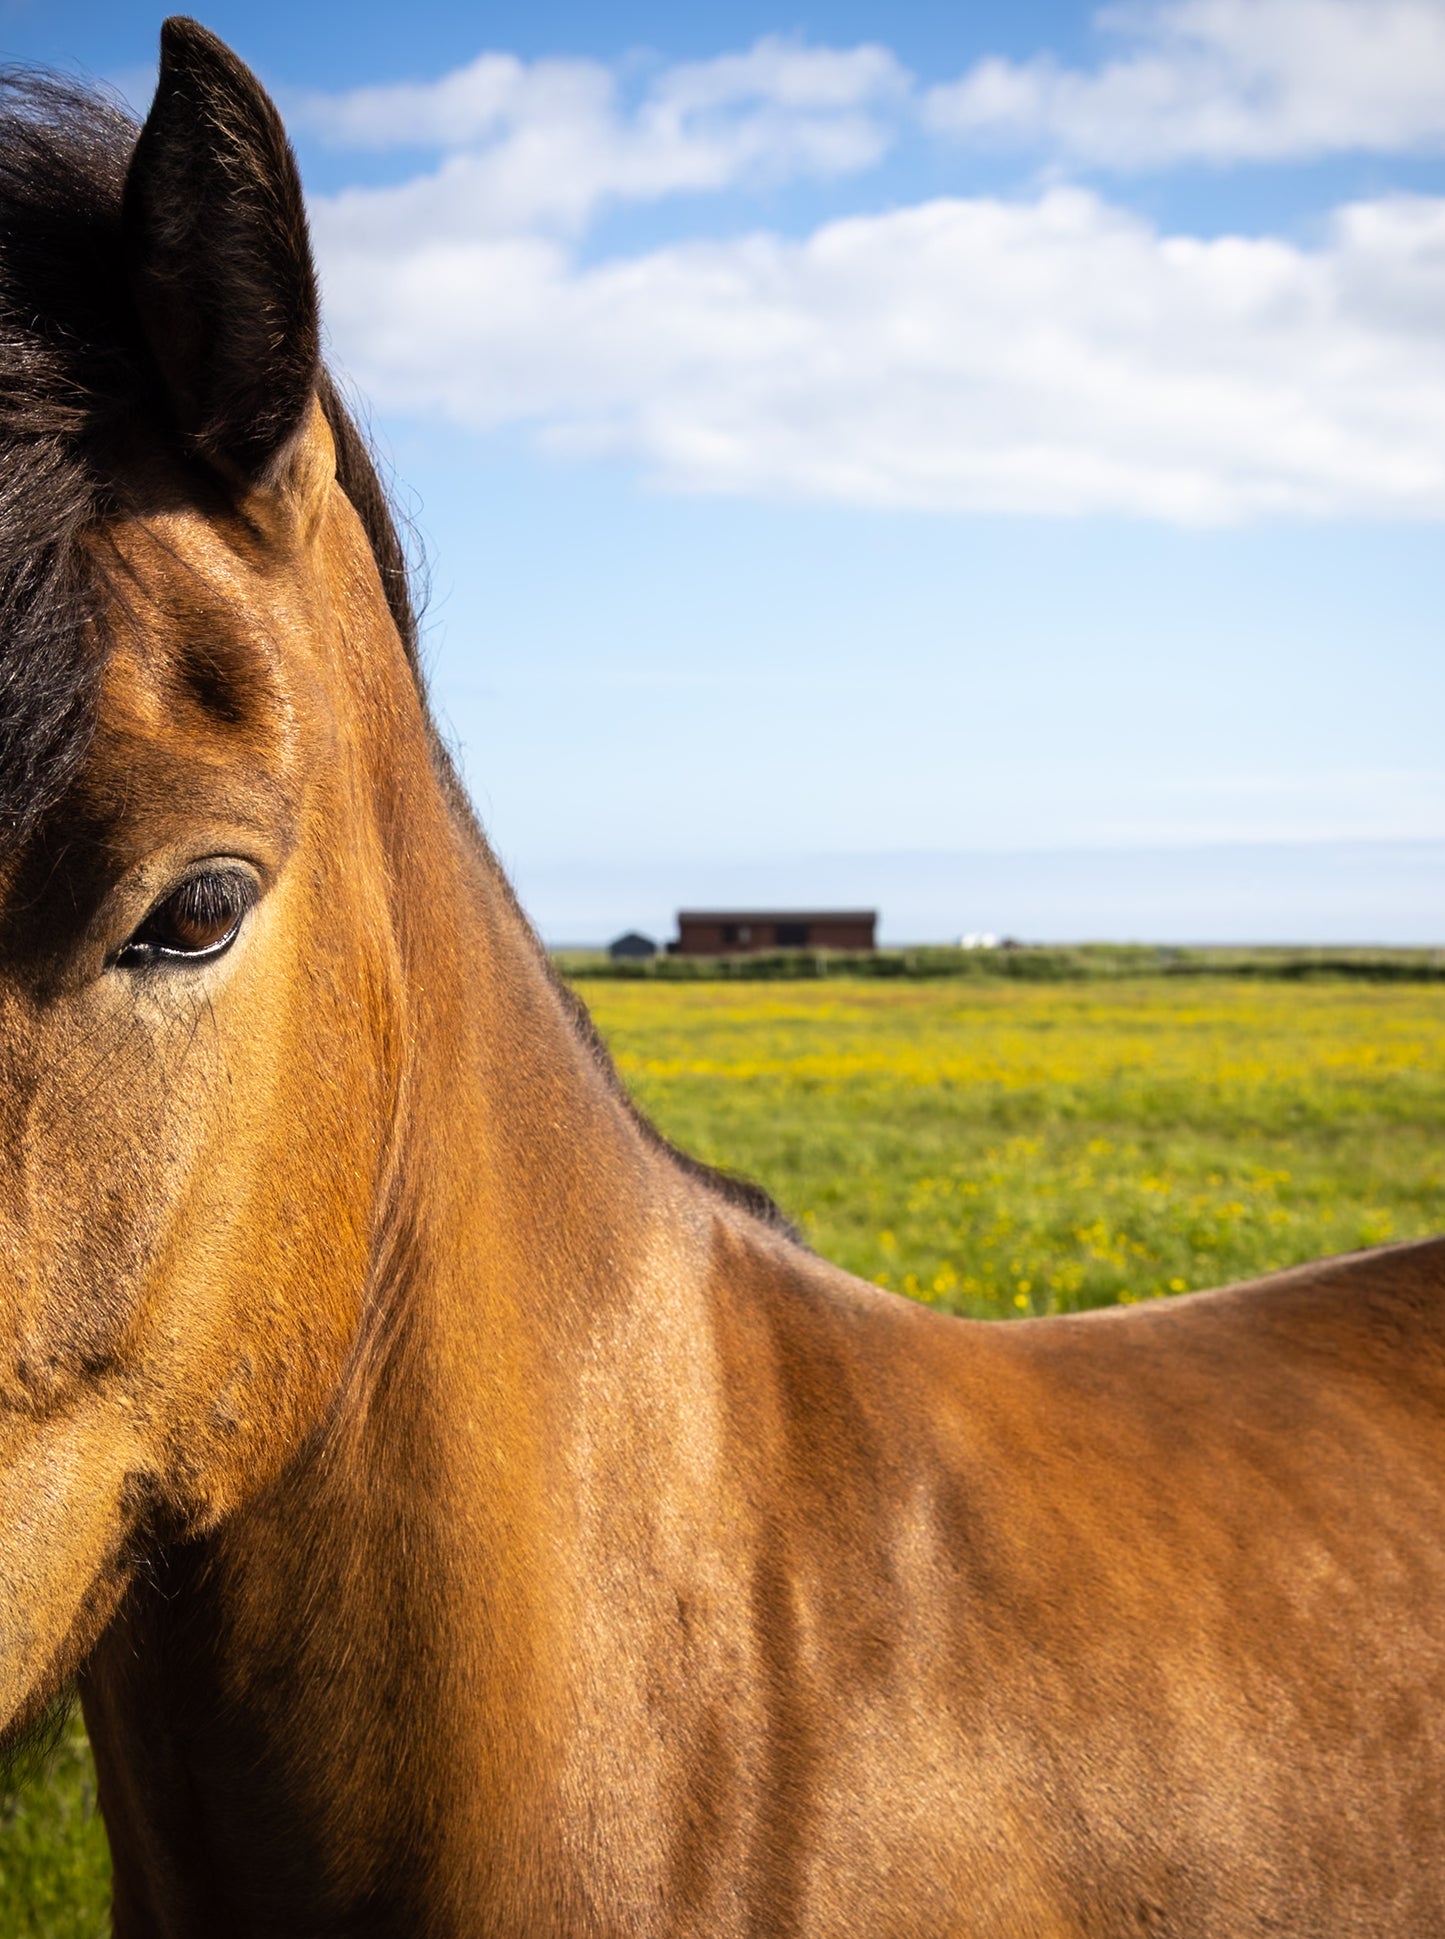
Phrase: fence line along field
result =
(999, 1148)
(993, 1147)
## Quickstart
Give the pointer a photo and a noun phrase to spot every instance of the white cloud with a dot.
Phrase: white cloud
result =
(488, 97)
(1056, 355)
(548, 142)
(1221, 81)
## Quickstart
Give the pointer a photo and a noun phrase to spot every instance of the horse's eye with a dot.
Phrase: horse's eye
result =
(196, 922)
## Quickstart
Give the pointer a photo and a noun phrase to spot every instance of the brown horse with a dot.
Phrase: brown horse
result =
(466, 1516)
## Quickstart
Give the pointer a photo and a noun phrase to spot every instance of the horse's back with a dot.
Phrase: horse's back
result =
(1173, 1580)
(1222, 1519)
(1328, 1358)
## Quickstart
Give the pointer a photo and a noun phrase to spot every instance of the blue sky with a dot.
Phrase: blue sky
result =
(985, 462)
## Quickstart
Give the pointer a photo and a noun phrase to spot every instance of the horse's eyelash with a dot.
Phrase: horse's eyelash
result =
(207, 898)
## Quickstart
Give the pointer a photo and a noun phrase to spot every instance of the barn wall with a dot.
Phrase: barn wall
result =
(738, 932)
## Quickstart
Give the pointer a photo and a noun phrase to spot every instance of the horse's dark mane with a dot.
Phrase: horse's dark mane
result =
(73, 372)
(68, 367)
(732, 1186)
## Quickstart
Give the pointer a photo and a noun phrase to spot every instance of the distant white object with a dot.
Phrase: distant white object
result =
(985, 939)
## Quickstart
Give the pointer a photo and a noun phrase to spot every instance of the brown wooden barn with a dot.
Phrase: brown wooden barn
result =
(727, 932)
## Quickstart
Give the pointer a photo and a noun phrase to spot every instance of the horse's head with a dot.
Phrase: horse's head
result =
(208, 719)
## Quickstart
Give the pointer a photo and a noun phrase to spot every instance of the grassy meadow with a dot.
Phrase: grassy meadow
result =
(995, 1146)
(54, 1866)
(1007, 1147)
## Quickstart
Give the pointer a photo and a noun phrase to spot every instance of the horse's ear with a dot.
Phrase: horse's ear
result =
(218, 256)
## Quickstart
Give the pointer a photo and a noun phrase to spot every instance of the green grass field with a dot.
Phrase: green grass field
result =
(995, 1147)
(54, 1867)
(998, 1147)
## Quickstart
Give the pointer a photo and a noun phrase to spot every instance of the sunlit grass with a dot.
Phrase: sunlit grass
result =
(54, 1867)
(1006, 1148)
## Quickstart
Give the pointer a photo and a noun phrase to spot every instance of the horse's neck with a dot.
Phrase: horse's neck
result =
(381, 1658)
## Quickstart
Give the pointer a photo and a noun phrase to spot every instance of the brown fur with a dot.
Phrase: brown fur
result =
(466, 1520)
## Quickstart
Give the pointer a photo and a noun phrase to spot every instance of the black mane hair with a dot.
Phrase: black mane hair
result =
(68, 367)
(74, 370)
